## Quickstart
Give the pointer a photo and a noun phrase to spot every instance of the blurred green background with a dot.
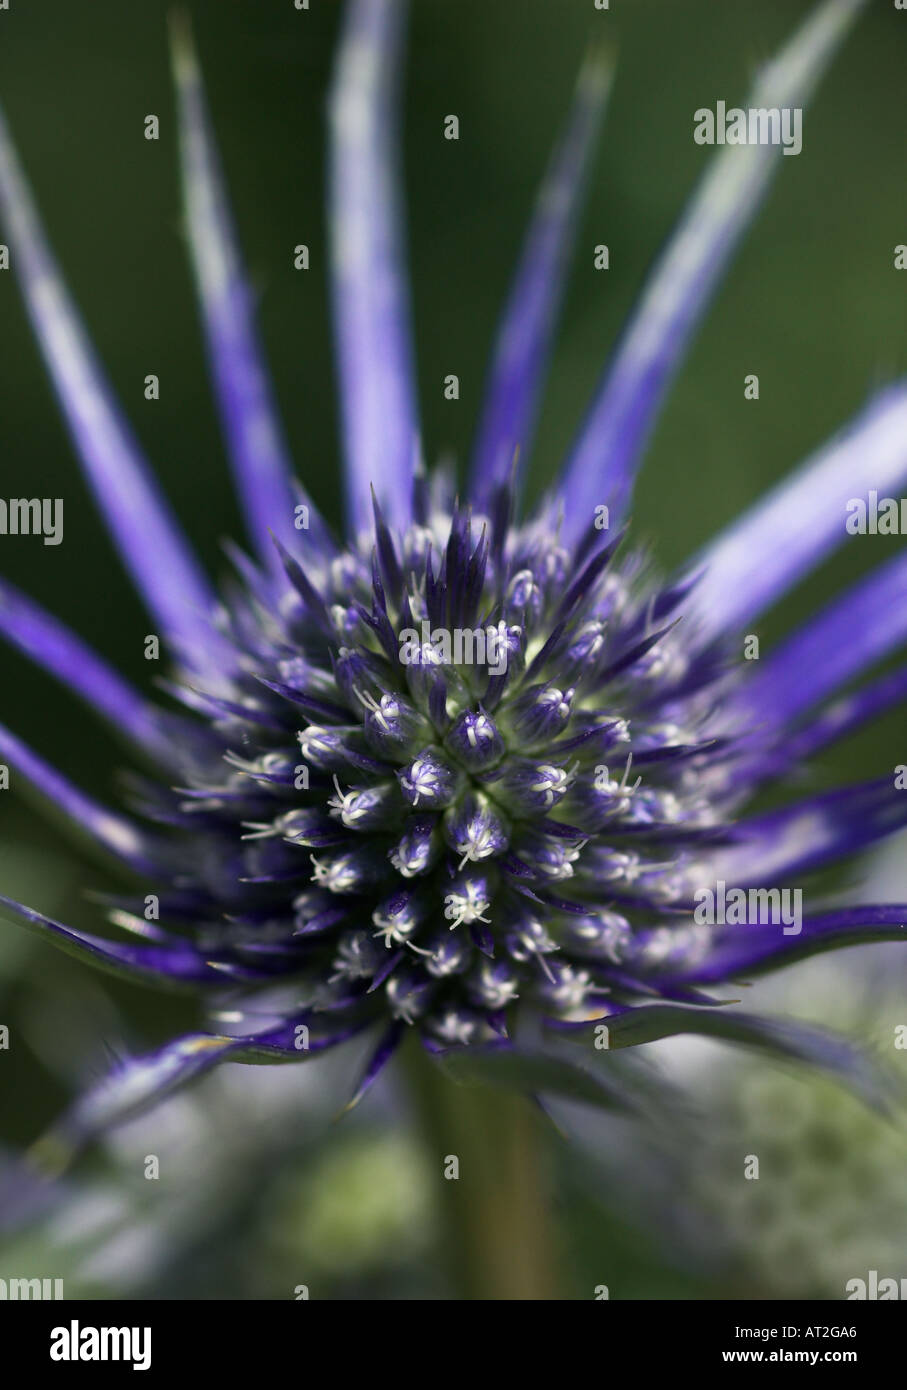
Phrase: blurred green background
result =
(812, 305)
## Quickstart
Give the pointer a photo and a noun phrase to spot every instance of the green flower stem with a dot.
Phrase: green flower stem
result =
(496, 1215)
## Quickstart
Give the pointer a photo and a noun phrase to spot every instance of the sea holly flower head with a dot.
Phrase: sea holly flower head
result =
(462, 776)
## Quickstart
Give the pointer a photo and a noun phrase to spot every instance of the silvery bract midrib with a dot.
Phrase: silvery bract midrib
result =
(357, 829)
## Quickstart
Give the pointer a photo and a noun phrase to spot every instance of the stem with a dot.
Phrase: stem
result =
(496, 1214)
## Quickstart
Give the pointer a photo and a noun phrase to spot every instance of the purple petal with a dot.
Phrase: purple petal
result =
(115, 832)
(136, 1085)
(524, 336)
(255, 441)
(379, 1059)
(142, 1082)
(773, 545)
(751, 949)
(66, 656)
(845, 715)
(175, 964)
(146, 533)
(603, 460)
(371, 305)
(808, 834)
(849, 635)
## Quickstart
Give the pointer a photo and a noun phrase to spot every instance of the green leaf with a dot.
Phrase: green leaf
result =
(531, 1072)
(786, 1038)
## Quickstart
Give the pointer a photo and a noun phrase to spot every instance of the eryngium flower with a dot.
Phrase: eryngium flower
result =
(463, 775)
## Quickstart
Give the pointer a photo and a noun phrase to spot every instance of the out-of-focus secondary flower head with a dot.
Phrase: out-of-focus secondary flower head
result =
(464, 774)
